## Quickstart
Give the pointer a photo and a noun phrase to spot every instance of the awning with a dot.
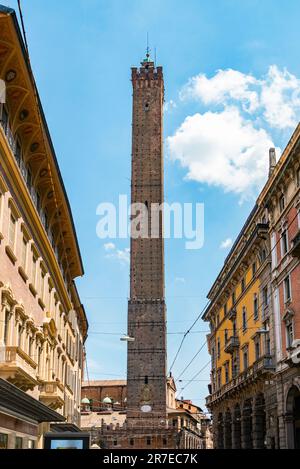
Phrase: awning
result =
(17, 401)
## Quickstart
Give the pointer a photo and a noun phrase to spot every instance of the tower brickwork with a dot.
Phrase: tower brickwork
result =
(146, 367)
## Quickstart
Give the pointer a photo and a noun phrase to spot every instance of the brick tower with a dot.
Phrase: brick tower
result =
(146, 364)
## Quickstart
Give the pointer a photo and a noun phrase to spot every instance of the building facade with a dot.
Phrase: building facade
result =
(104, 414)
(43, 324)
(254, 314)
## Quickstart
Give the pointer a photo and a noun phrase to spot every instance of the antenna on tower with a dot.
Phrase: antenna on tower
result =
(155, 56)
(148, 49)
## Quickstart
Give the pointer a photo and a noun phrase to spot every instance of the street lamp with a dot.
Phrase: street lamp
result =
(127, 338)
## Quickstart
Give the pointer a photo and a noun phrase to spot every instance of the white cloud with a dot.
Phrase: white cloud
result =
(280, 98)
(225, 85)
(222, 149)
(109, 246)
(122, 255)
(226, 244)
(275, 96)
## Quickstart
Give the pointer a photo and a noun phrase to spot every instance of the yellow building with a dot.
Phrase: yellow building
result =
(240, 342)
(42, 322)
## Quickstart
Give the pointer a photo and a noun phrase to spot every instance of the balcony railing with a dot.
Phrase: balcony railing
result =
(295, 250)
(232, 344)
(18, 368)
(52, 394)
(264, 365)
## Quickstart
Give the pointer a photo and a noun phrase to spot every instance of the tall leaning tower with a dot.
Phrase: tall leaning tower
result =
(146, 365)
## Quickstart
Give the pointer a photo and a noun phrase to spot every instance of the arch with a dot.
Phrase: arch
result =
(292, 418)
(236, 428)
(259, 422)
(246, 427)
(220, 431)
(228, 430)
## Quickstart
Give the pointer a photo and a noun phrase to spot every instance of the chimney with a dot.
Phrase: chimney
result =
(272, 160)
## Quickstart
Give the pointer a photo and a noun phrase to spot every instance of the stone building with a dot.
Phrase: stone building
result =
(105, 417)
(282, 199)
(43, 324)
(254, 316)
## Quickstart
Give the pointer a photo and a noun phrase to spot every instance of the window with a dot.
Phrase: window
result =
(131, 441)
(115, 442)
(225, 309)
(217, 320)
(31, 444)
(253, 269)
(226, 335)
(263, 255)
(255, 307)
(29, 180)
(233, 298)
(146, 379)
(219, 348)
(148, 441)
(257, 347)
(265, 297)
(281, 203)
(244, 318)
(18, 442)
(289, 333)
(20, 335)
(243, 284)
(43, 275)
(284, 243)
(235, 365)
(12, 231)
(226, 372)
(30, 343)
(287, 289)
(3, 440)
(267, 344)
(245, 358)
(165, 441)
(213, 356)
(234, 328)
(24, 253)
(33, 272)
(219, 380)
(6, 328)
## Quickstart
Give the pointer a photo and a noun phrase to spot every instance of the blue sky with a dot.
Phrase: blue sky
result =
(218, 129)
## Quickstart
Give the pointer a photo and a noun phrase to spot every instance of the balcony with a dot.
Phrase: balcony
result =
(18, 368)
(261, 368)
(232, 344)
(295, 250)
(52, 394)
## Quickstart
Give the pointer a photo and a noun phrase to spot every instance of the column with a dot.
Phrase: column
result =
(258, 421)
(236, 429)
(246, 426)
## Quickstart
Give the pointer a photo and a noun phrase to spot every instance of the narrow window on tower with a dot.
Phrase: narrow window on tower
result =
(147, 107)
(146, 379)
